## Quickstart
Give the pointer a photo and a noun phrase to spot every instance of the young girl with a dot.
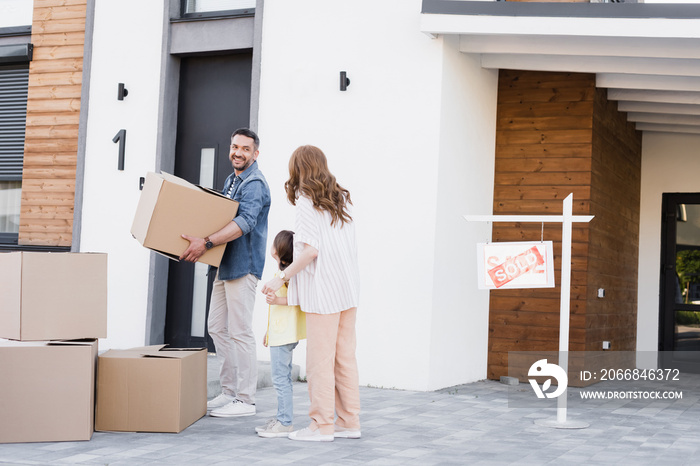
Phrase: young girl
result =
(286, 325)
(325, 283)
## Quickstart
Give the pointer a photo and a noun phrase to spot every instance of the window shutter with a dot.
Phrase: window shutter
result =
(14, 81)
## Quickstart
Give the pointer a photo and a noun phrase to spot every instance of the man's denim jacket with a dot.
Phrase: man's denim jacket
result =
(246, 254)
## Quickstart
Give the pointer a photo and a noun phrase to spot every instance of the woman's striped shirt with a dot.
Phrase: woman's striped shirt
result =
(331, 283)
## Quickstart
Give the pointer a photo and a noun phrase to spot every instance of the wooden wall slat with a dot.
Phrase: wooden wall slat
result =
(56, 3)
(543, 150)
(61, 38)
(540, 192)
(56, 79)
(543, 165)
(59, 12)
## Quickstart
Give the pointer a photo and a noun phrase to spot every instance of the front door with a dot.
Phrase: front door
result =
(679, 322)
(214, 101)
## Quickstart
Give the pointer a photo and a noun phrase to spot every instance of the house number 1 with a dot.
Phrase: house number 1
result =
(121, 139)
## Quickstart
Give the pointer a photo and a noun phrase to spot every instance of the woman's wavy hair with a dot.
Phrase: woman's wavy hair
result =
(309, 175)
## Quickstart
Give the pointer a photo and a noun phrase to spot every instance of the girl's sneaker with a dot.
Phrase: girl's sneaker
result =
(276, 429)
(267, 424)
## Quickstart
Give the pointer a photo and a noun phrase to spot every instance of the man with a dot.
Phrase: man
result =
(233, 296)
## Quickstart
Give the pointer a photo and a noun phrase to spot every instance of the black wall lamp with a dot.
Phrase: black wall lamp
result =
(122, 92)
(344, 81)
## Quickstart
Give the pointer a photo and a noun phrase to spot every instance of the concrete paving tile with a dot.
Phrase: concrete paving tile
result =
(76, 459)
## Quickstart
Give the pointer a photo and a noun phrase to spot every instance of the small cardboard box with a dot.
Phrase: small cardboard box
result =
(170, 207)
(47, 390)
(53, 295)
(151, 389)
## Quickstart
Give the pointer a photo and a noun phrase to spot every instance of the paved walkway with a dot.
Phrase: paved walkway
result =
(469, 424)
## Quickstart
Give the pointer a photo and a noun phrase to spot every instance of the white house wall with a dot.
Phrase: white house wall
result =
(394, 138)
(459, 331)
(126, 48)
(670, 164)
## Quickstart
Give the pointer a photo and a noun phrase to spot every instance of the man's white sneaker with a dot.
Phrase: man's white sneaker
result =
(342, 432)
(234, 408)
(308, 435)
(219, 401)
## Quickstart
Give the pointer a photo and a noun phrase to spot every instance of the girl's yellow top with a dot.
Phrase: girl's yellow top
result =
(285, 324)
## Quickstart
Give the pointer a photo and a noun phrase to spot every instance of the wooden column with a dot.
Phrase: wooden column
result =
(53, 114)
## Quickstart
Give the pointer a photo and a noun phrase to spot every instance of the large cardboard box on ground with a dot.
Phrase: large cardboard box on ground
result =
(151, 389)
(170, 207)
(53, 295)
(47, 390)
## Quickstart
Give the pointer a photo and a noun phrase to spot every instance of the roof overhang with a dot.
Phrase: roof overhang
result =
(646, 55)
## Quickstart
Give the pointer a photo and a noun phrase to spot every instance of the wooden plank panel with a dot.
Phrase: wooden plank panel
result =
(544, 123)
(502, 345)
(543, 179)
(536, 333)
(534, 207)
(60, 12)
(545, 109)
(50, 212)
(513, 231)
(56, 92)
(531, 78)
(46, 239)
(542, 319)
(543, 150)
(557, 193)
(62, 38)
(53, 185)
(64, 199)
(544, 165)
(56, 119)
(53, 105)
(47, 160)
(535, 305)
(570, 136)
(59, 52)
(51, 132)
(54, 27)
(48, 173)
(56, 3)
(55, 79)
(545, 95)
(64, 65)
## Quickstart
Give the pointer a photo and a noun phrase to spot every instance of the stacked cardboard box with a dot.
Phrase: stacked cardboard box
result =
(53, 309)
(151, 389)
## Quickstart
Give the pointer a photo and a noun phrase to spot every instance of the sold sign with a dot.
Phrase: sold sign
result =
(516, 265)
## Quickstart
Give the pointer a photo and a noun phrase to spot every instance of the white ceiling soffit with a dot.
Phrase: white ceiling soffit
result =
(646, 55)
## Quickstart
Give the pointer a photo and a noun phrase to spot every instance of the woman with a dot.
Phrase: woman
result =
(324, 282)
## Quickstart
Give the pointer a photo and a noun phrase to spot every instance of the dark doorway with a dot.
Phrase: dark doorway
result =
(214, 101)
(679, 320)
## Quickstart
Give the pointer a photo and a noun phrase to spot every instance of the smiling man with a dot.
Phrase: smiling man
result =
(233, 295)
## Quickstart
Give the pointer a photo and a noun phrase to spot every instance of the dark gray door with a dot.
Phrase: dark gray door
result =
(679, 322)
(214, 101)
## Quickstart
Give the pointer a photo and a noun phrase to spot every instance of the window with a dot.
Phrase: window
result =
(13, 114)
(203, 8)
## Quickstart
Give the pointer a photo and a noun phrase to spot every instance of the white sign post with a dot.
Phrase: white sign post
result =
(566, 219)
